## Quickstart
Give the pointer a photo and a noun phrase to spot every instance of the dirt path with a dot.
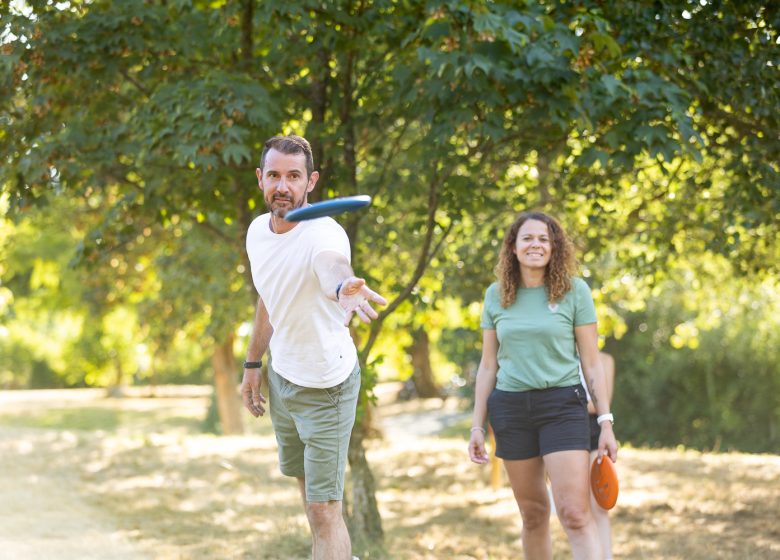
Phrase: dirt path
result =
(419, 418)
(42, 511)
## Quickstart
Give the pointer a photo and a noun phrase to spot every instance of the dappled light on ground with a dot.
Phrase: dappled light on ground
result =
(137, 480)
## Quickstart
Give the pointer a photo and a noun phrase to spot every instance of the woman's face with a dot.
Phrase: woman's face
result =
(533, 246)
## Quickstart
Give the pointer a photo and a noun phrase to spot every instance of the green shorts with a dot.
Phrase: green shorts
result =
(313, 427)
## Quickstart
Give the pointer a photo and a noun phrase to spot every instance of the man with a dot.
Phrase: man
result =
(307, 296)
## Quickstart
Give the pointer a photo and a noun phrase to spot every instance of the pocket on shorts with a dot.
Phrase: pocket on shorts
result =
(498, 410)
(346, 388)
(491, 401)
(579, 394)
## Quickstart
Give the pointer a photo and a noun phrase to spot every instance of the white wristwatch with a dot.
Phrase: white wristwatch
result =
(604, 417)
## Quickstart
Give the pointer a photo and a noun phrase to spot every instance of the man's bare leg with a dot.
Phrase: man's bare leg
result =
(330, 538)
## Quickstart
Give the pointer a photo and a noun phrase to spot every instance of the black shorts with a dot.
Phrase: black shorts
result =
(595, 432)
(535, 423)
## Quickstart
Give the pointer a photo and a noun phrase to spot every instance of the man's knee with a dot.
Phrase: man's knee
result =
(324, 514)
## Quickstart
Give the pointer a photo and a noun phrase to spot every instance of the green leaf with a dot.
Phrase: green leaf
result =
(603, 42)
(237, 153)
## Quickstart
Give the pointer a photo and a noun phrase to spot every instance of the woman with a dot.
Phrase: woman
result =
(538, 323)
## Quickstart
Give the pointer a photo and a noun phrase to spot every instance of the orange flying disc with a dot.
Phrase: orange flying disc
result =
(604, 482)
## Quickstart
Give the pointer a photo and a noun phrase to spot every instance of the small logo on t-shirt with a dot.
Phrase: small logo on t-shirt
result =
(553, 307)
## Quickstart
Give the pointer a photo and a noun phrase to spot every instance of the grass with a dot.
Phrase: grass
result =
(101, 419)
(143, 464)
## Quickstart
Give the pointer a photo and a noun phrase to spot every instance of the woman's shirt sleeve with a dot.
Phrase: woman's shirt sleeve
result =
(584, 308)
(489, 307)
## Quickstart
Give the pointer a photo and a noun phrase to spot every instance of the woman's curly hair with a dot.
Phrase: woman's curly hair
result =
(559, 271)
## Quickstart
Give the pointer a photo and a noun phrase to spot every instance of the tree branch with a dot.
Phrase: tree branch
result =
(422, 262)
(136, 83)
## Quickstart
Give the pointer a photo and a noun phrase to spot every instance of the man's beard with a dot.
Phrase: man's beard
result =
(281, 212)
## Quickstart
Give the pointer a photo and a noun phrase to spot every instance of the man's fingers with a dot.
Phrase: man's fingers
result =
(362, 315)
(256, 409)
(258, 399)
(360, 298)
(250, 405)
(368, 310)
(373, 296)
(250, 394)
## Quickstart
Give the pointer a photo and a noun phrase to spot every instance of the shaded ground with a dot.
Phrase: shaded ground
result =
(82, 476)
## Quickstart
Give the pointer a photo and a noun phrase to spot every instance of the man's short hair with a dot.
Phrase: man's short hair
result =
(289, 145)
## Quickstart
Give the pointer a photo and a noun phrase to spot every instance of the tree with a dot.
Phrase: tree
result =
(165, 126)
(453, 114)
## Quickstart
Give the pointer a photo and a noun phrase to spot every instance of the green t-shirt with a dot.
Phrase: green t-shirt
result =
(536, 344)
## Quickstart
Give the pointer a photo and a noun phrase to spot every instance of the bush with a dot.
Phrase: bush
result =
(706, 388)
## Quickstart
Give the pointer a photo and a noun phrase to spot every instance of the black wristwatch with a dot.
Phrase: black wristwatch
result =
(253, 365)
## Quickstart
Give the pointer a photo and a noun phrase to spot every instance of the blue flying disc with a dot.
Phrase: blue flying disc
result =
(328, 208)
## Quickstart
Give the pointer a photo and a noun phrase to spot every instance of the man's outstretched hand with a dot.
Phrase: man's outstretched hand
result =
(354, 297)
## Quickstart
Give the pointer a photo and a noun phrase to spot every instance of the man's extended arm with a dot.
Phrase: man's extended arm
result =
(339, 283)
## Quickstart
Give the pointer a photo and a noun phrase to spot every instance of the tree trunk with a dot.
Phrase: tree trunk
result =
(228, 402)
(361, 511)
(422, 372)
(543, 179)
(363, 519)
(117, 390)
(316, 128)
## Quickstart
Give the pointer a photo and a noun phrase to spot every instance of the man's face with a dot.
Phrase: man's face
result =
(284, 182)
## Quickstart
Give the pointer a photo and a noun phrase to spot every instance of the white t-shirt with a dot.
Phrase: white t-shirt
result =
(310, 345)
